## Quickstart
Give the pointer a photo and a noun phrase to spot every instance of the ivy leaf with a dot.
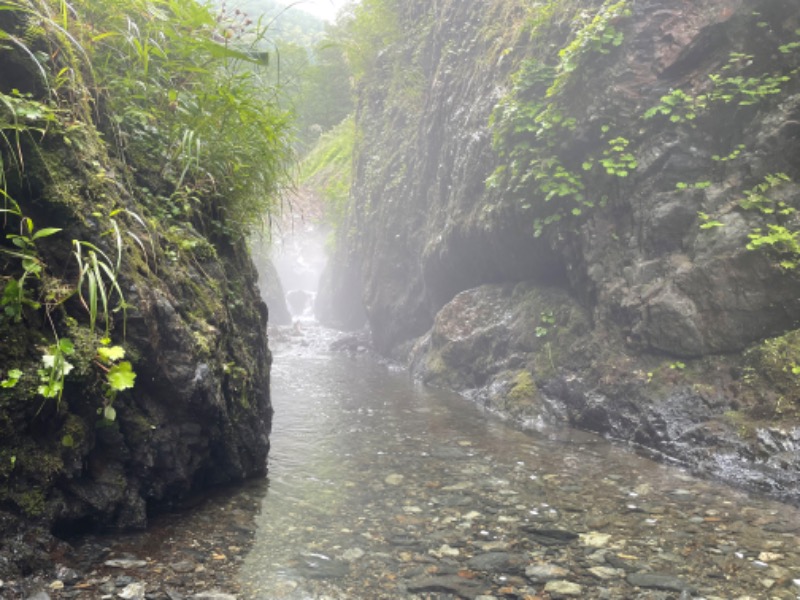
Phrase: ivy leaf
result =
(121, 377)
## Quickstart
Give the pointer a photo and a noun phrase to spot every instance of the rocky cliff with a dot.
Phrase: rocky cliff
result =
(588, 213)
(134, 366)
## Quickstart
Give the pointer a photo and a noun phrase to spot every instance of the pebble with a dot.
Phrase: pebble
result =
(606, 573)
(133, 591)
(563, 589)
(394, 479)
(595, 539)
(352, 554)
(659, 582)
(125, 563)
(183, 566)
(545, 572)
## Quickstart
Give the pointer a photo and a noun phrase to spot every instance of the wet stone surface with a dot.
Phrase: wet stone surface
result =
(183, 556)
(380, 489)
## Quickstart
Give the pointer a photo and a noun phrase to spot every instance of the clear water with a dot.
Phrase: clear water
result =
(382, 488)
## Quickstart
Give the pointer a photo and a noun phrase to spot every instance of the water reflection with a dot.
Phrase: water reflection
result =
(381, 488)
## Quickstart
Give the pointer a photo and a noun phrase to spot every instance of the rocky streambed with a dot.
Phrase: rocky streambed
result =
(381, 488)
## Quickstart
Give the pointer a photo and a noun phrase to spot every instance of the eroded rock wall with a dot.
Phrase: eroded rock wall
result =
(616, 162)
(192, 325)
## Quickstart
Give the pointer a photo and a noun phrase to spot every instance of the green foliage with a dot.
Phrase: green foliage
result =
(758, 198)
(733, 155)
(778, 238)
(188, 94)
(326, 96)
(55, 368)
(678, 106)
(365, 30)
(119, 376)
(595, 34)
(328, 169)
(547, 320)
(530, 122)
(729, 86)
(16, 293)
(697, 185)
(12, 378)
(707, 222)
(617, 160)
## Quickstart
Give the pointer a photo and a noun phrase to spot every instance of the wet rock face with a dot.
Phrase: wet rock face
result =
(199, 414)
(665, 297)
(430, 227)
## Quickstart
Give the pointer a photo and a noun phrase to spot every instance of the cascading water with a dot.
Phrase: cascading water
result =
(299, 259)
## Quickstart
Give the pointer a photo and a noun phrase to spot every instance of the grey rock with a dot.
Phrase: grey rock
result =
(659, 581)
(498, 562)
(545, 572)
(133, 591)
(183, 566)
(448, 584)
(125, 563)
(563, 589)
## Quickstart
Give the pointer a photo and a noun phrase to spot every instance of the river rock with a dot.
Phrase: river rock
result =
(125, 563)
(133, 591)
(497, 562)
(352, 554)
(563, 589)
(448, 584)
(659, 581)
(545, 572)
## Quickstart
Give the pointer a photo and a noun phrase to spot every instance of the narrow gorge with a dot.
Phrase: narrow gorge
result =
(586, 213)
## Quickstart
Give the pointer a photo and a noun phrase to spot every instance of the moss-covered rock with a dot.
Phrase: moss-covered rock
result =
(177, 291)
(630, 166)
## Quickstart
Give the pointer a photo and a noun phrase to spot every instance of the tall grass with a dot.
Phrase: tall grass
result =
(183, 90)
(187, 89)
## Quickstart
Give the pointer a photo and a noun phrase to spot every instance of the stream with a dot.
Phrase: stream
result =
(381, 488)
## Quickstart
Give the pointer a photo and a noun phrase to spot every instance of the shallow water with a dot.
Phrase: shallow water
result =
(382, 488)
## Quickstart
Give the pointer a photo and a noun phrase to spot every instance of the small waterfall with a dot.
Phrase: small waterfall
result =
(298, 254)
(299, 258)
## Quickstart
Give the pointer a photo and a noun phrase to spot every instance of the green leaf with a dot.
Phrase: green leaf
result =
(46, 232)
(111, 354)
(121, 377)
(67, 441)
(66, 346)
(14, 375)
(109, 414)
(711, 225)
(50, 390)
